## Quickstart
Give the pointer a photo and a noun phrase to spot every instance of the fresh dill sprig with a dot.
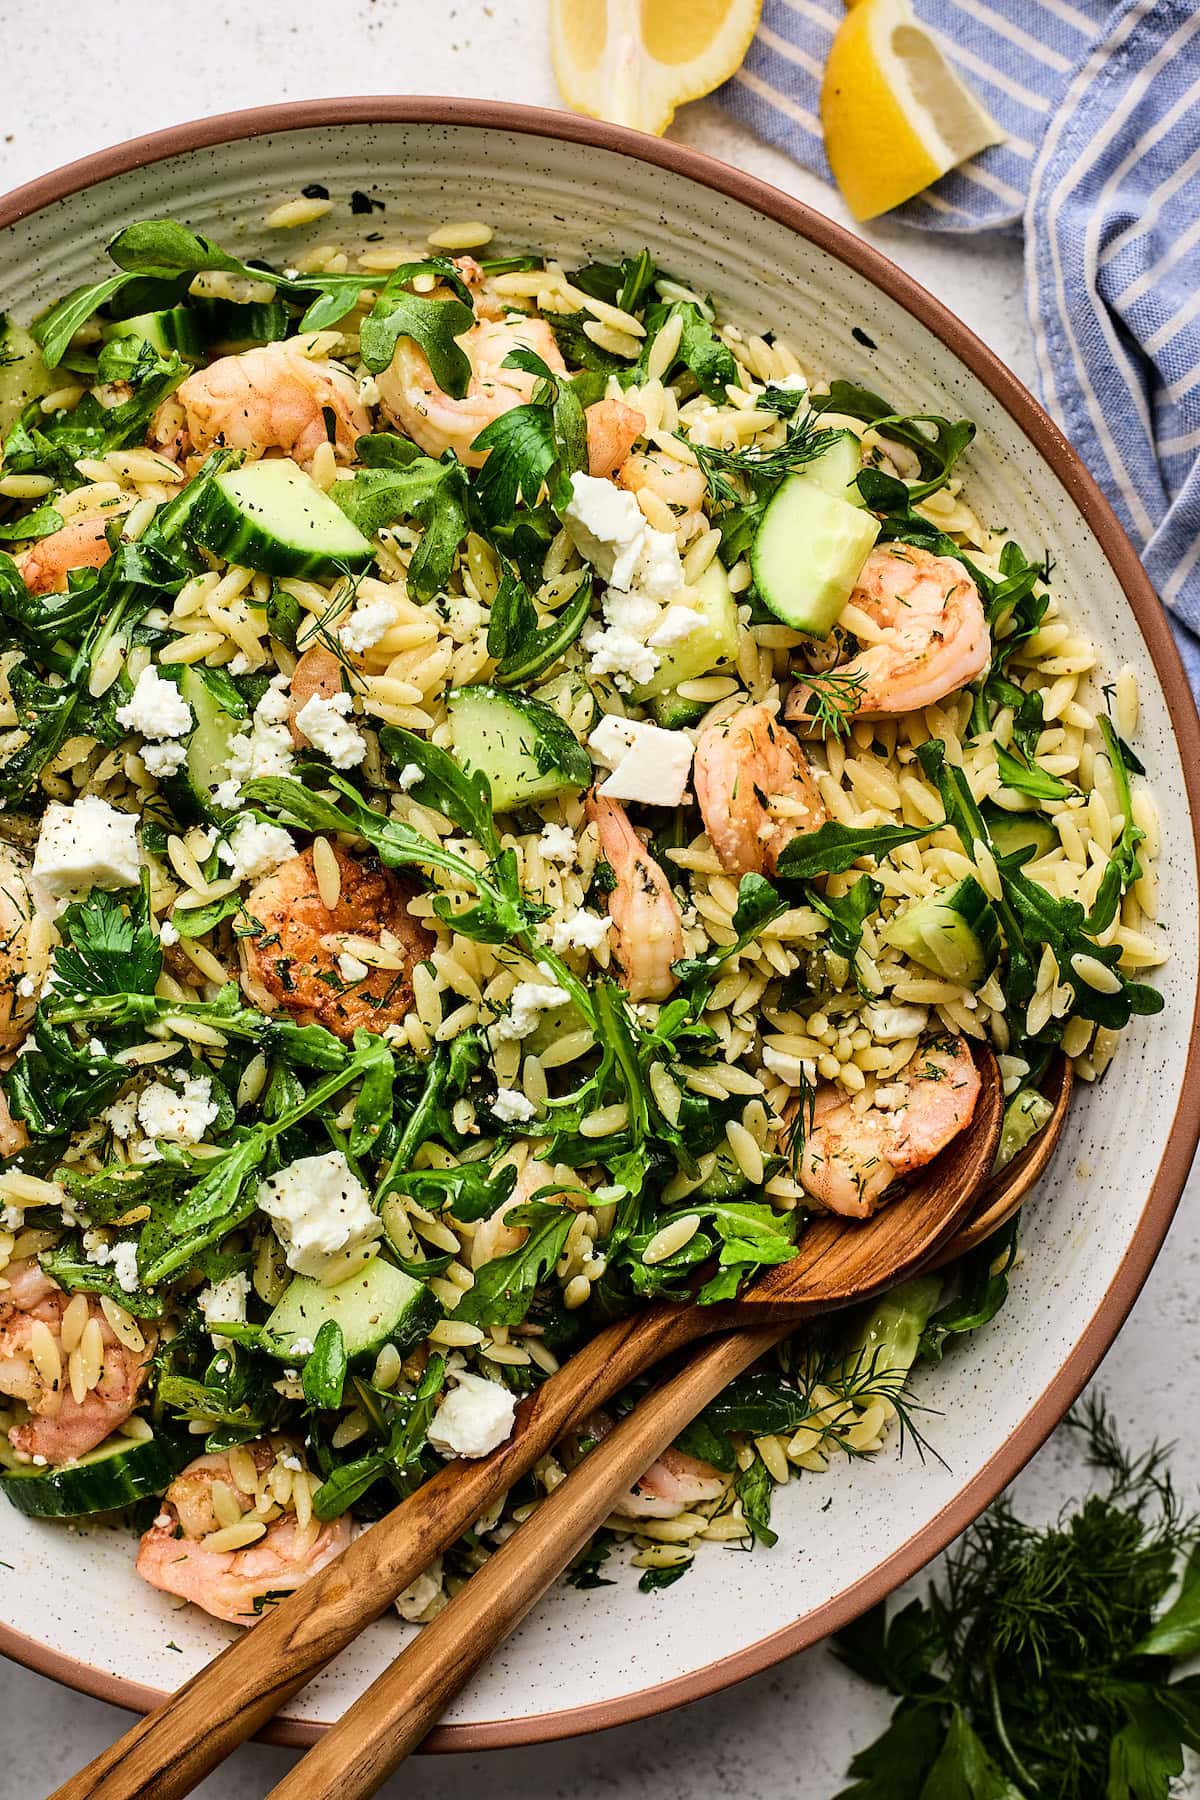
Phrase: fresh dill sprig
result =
(735, 476)
(1044, 1665)
(832, 699)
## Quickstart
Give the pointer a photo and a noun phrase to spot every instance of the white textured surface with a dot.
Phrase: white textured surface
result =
(788, 1732)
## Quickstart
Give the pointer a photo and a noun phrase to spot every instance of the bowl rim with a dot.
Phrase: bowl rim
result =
(1047, 440)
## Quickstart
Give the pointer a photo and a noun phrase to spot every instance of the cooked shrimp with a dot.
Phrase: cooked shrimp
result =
(612, 430)
(13, 1135)
(174, 1554)
(935, 635)
(669, 1486)
(60, 1427)
(296, 961)
(853, 1153)
(319, 673)
(412, 399)
(680, 485)
(647, 930)
(16, 916)
(79, 545)
(756, 790)
(273, 398)
(493, 1237)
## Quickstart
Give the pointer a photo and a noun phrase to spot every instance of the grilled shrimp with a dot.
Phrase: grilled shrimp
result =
(680, 485)
(934, 633)
(612, 430)
(412, 399)
(79, 545)
(301, 959)
(756, 790)
(16, 915)
(272, 398)
(175, 1554)
(853, 1153)
(66, 1419)
(669, 1486)
(647, 930)
(493, 1237)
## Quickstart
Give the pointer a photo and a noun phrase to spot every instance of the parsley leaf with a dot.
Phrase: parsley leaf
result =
(432, 323)
(700, 349)
(108, 947)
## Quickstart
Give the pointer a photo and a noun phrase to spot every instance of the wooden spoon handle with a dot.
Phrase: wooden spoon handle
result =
(165, 1755)
(390, 1719)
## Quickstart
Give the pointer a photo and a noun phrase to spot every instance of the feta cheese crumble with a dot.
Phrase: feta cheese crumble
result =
(156, 708)
(266, 749)
(224, 1302)
(164, 759)
(86, 845)
(678, 624)
(370, 621)
(124, 1266)
(648, 764)
(511, 1107)
(177, 1118)
(326, 725)
(474, 1418)
(320, 1209)
(168, 934)
(121, 1117)
(409, 776)
(583, 930)
(527, 1002)
(619, 654)
(642, 569)
(557, 844)
(254, 848)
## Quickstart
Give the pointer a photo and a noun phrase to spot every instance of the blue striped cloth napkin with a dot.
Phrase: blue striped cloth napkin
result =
(1101, 169)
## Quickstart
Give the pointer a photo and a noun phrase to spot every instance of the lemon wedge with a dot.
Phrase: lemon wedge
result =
(634, 61)
(894, 113)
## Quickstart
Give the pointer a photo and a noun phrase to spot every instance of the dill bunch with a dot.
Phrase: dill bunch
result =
(1043, 1666)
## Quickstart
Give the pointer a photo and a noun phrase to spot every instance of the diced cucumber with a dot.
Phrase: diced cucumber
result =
(836, 469)
(113, 1475)
(673, 712)
(1020, 831)
(273, 517)
(23, 374)
(208, 692)
(808, 552)
(379, 1305)
(1024, 1117)
(238, 325)
(953, 933)
(174, 329)
(526, 751)
(710, 645)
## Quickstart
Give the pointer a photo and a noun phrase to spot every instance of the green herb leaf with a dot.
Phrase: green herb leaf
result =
(1023, 778)
(700, 349)
(505, 1287)
(938, 446)
(525, 650)
(434, 493)
(756, 1490)
(432, 323)
(324, 1373)
(983, 1288)
(848, 914)
(833, 848)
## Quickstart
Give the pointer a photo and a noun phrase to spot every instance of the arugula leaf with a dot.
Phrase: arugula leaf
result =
(505, 1287)
(700, 350)
(435, 493)
(847, 914)
(344, 1486)
(981, 1293)
(39, 522)
(523, 649)
(1023, 778)
(756, 1490)
(470, 1190)
(624, 284)
(69, 1266)
(937, 449)
(433, 324)
(198, 921)
(54, 444)
(834, 848)
(324, 1373)
(758, 904)
(652, 1580)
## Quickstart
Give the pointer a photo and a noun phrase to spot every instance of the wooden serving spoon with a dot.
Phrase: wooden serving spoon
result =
(394, 1714)
(838, 1263)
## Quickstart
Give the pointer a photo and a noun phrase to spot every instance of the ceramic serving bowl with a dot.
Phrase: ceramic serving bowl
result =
(70, 1604)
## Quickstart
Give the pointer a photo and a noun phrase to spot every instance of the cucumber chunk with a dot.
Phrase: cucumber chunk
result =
(835, 471)
(113, 1475)
(235, 325)
(273, 517)
(526, 751)
(953, 933)
(710, 645)
(23, 374)
(174, 329)
(1020, 831)
(191, 791)
(674, 713)
(808, 552)
(1024, 1117)
(379, 1305)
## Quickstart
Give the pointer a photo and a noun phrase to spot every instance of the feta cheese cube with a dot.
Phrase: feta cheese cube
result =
(326, 725)
(254, 848)
(409, 776)
(474, 1418)
(678, 624)
(177, 1117)
(320, 1210)
(511, 1107)
(892, 1024)
(605, 524)
(156, 708)
(649, 764)
(86, 845)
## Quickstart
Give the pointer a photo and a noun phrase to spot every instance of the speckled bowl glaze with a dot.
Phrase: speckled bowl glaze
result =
(69, 1600)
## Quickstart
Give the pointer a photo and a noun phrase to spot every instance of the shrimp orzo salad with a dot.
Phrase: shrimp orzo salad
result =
(515, 793)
